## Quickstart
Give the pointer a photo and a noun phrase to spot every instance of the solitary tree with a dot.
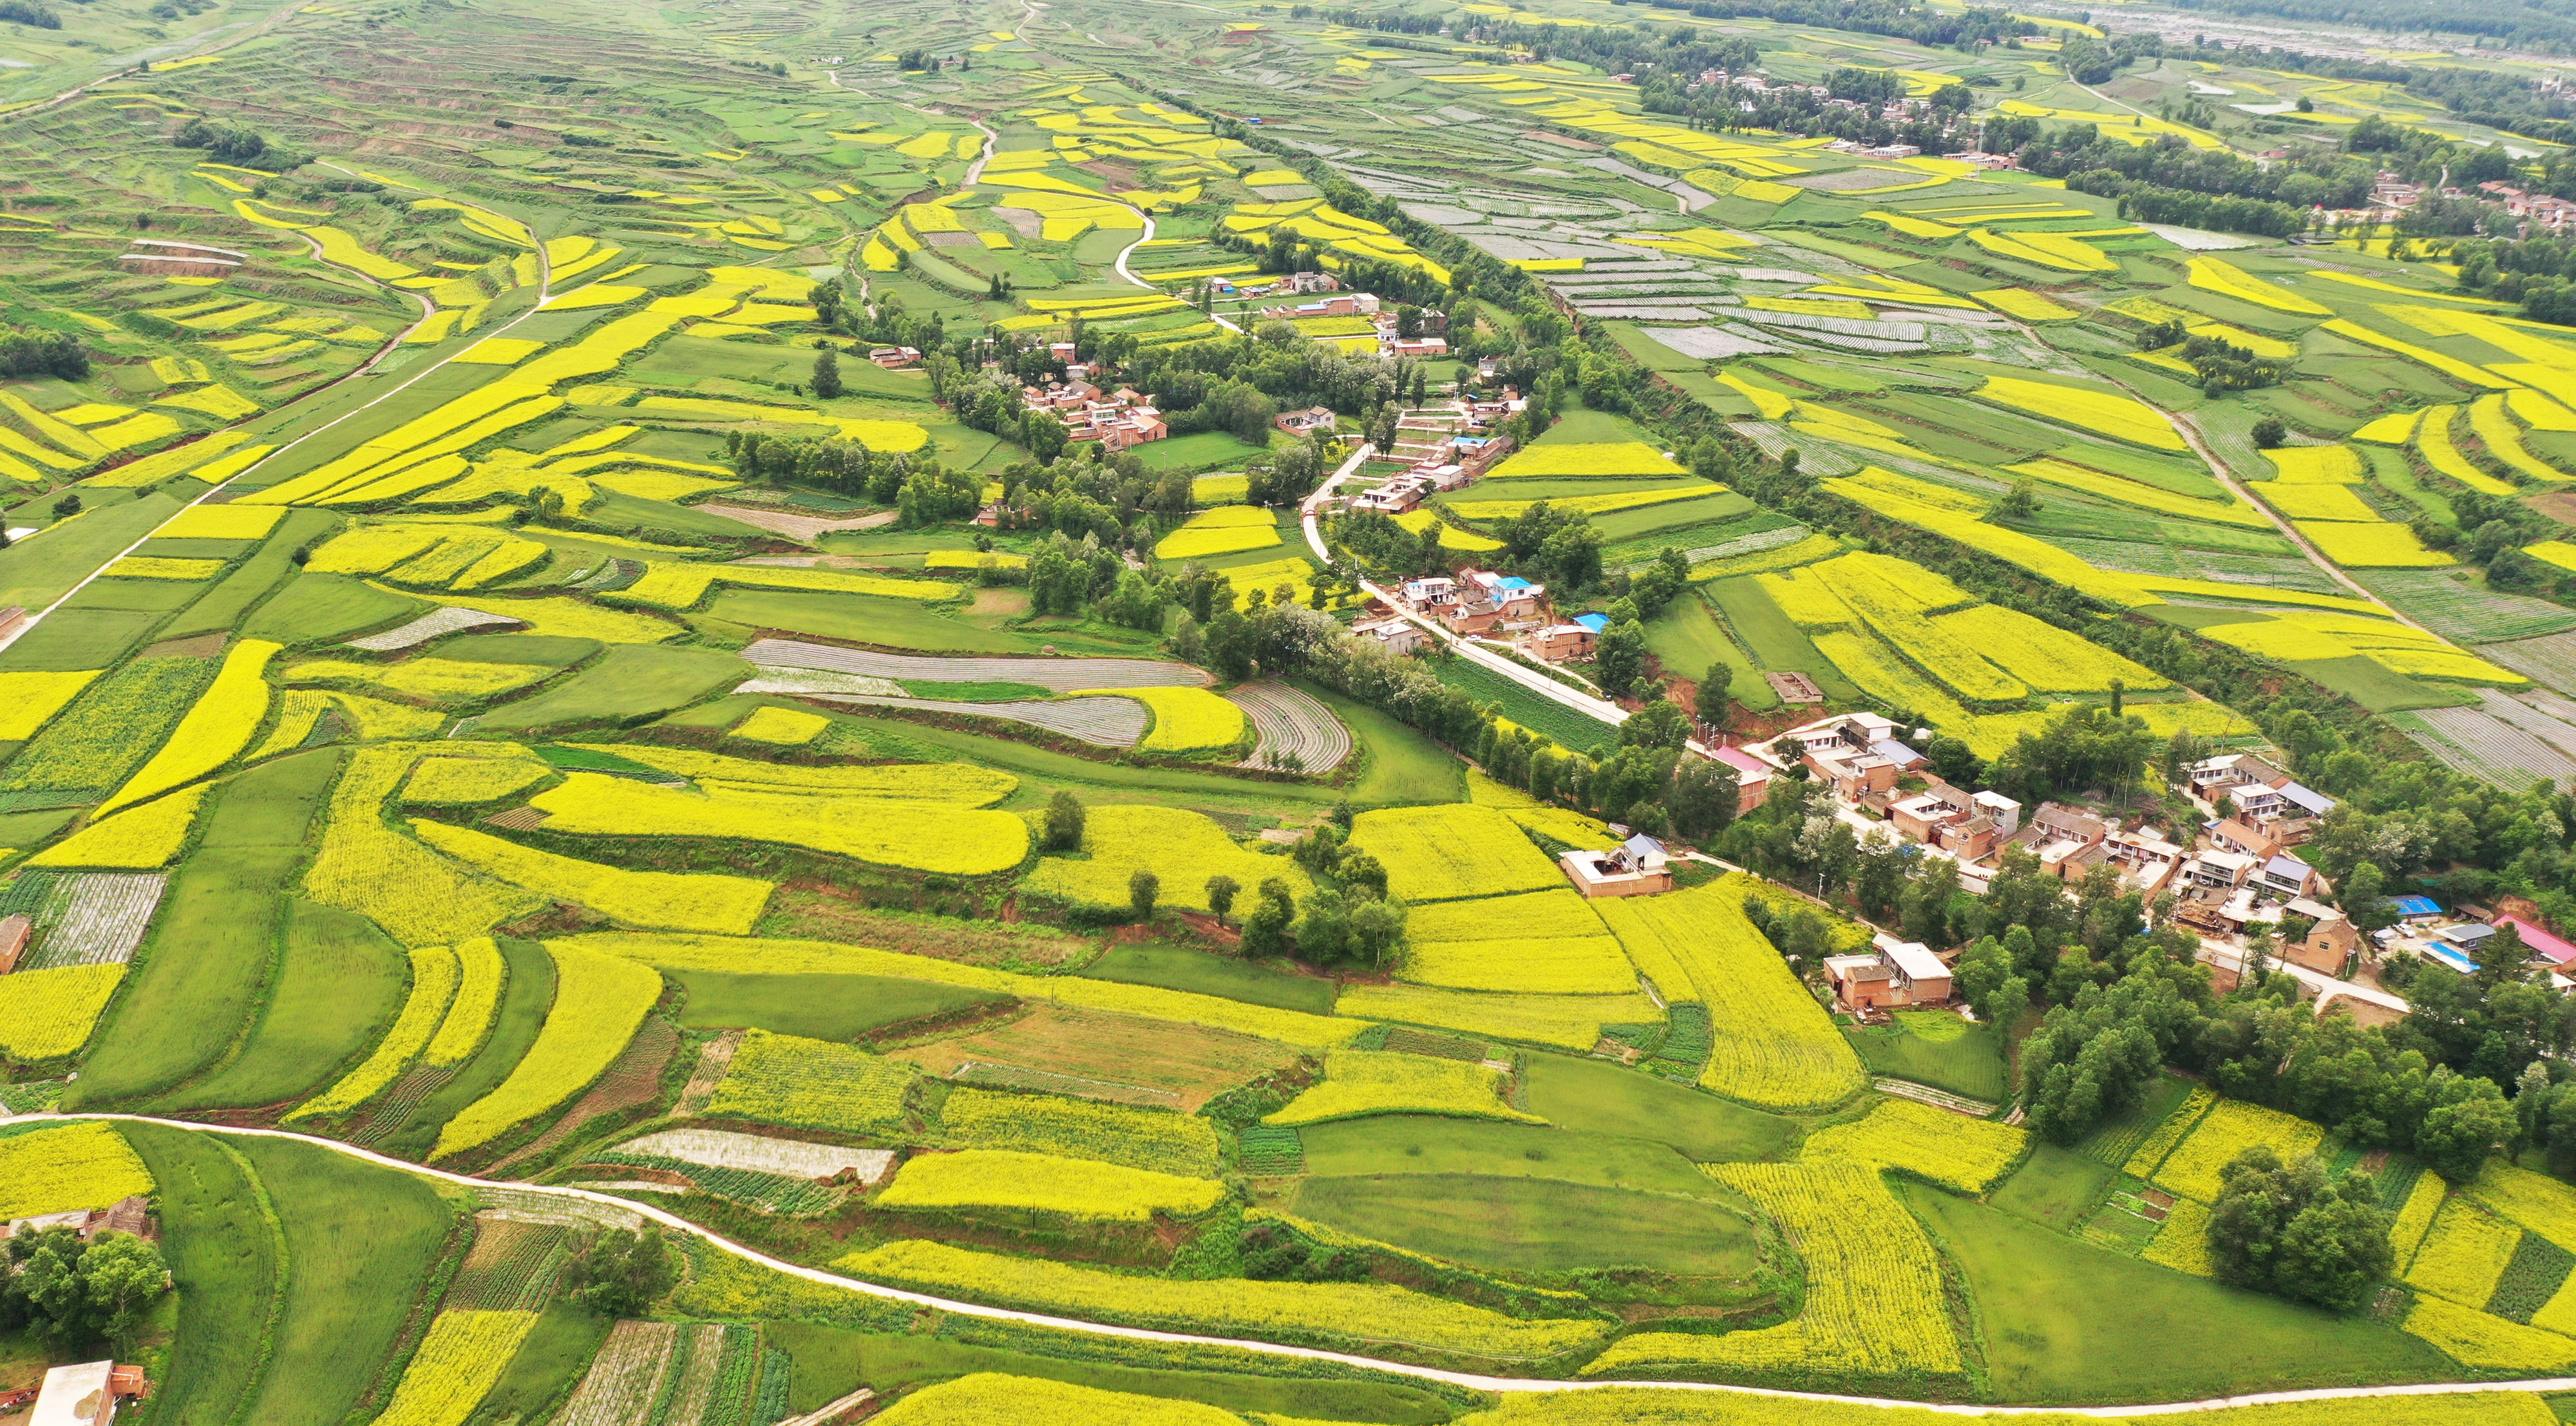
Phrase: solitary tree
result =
(1143, 890)
(623, 1273)
(1064, 823)
(2288, 1229)
(1712, 695)
(1220, 895)
(827, 373)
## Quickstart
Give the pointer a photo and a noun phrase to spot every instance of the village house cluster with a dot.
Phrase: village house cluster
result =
(1116, 419)
(2235, 872)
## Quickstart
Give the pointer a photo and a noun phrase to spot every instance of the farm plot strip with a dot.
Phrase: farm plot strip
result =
(1054, 675)
(1104, 722)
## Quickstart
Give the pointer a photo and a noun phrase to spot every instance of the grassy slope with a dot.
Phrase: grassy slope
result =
(1184, 968)
(1689, 640)
(1972, 1064)
(1596, 1097)
(339, 983)
(820, 1007)
(225, 1258)
(2070, 1323)
(830, 1361)
(1773, 639)
(1536, 1224)
(359, 1241)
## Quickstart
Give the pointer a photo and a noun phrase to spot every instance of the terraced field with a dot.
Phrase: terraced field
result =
(700, 619)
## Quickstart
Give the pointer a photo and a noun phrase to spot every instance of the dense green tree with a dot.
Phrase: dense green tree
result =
(2285, 1228)
(1064, 820)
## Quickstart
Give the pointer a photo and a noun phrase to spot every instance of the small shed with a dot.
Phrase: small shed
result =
(76, 1396)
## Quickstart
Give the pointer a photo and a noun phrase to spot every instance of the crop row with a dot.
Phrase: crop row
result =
(59, 1170)
(1075, 1188)
(1359, 1082)
(599, 1000)
(1183, 849)
(921, 836)
(957, 784)
(815, 1084)
(1186, 720)
(1456, 850)
(766, 1192)
(470, 781)
(418, 896)
(2183, 1242)
(2192, 1170)
(727, 904)
(1352, 1314)
(1154, 1139)
(47, 1014)
(95, 918)
(2048, 658)
(110, 728)
(625, 1379)
(1773, 1045)
(463, 1355)
(758, 1153)
(1538, 965)
(1967, 1154)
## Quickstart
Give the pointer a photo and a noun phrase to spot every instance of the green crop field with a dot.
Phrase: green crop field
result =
(1536, 1224)
(1969, 1063)
(228, 1258)
(359, 1246)
(1179, 968)
(837, 1007)
(2064, 1320)
(581, 598)
(1592, 1097)
(338, 983)
(1410, 1146)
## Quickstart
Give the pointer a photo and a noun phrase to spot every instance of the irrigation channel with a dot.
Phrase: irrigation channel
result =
(1469, 1380)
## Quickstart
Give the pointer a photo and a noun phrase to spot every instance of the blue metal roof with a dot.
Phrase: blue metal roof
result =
(1595, 622)
(2415, 905)
(1513, 581)
(2452, 958)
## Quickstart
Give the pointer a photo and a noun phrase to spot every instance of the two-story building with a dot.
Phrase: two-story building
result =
(1892, 975)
